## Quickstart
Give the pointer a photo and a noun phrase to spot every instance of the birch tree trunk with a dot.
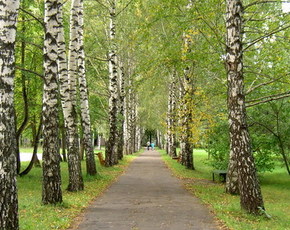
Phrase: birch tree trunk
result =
(240, 147)
(186, 94)
(84, 100)
(74, 164)
(136, 128)
(171, 118)
(180, 122)
(51, 187)
(24, 94)
(111, 148)
(121, 80)
(128, 120)
(8, 199)
(186, 120)
(68, 107)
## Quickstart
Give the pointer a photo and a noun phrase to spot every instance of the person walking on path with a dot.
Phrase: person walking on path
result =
(148, 145)
(147, 197)
(152, 146)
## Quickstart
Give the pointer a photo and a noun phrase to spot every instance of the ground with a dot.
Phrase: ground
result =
(147, 197)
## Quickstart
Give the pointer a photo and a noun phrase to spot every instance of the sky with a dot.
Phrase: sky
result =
(286, 7)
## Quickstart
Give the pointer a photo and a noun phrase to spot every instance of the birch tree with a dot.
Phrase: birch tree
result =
(111, 148)
(171, 122)
(84, 100)
(74, 164)
(51, 191)
(130, 117)
(121, 107)
(69, 107)
(186, 94)
(240, 146)
(8, 199)
(186, 120)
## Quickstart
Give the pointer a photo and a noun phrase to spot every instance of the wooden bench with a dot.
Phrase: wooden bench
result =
(177, 158)
(221, 173)
(101, 158)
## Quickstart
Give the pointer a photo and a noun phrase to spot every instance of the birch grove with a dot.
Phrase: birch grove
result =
(8, 199)
(193, 78)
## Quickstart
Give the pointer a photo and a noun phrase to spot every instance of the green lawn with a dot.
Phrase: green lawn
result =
(39, 150)
(34, 215)
(275, 189)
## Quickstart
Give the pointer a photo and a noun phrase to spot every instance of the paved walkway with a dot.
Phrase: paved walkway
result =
(147, 197)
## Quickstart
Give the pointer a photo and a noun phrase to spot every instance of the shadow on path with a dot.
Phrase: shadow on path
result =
(147, 197)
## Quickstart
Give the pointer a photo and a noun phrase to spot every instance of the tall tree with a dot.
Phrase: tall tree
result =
(171, 118)
(187, 94)
(240, 146)
(9, 200)
(84, 99)
(74, 164)
(111, 148)
(24, 92)
(51, 191)
(186, 119)
(121, 107)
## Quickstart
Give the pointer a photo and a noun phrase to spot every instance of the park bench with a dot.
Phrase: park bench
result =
(177, 158)
(221, 173)
(101, 158)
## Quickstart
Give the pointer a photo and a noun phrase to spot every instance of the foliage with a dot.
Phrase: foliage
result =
(218, 146)
(270, 131)
(218, 149)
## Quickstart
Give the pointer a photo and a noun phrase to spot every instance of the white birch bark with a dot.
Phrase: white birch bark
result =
(240, 146)
(121, 107)
(74, 164)
(8, 190)
(84, 98)
(51, 187)
(111, 148)
(128, 120)
(186, 120)
(186, 111)
(171, 118)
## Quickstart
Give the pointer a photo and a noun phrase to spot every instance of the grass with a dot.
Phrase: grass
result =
(34, 215)
(275, 189)
(39, 150)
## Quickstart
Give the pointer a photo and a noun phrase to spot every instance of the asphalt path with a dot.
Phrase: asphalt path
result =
(147, 197)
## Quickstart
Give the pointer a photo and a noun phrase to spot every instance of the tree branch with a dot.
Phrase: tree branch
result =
(124, 8)
(33, 44)
(29, 71)
(267, 128)
(260, 2)
(272, 98)
(102, 4)
(251, 89)
(265, 36)
(275, 95)
(97, 58)
(36, 18)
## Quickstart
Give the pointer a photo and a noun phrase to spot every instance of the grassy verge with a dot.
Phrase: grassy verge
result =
(275, 189)
(34, 215)
(39, 150)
